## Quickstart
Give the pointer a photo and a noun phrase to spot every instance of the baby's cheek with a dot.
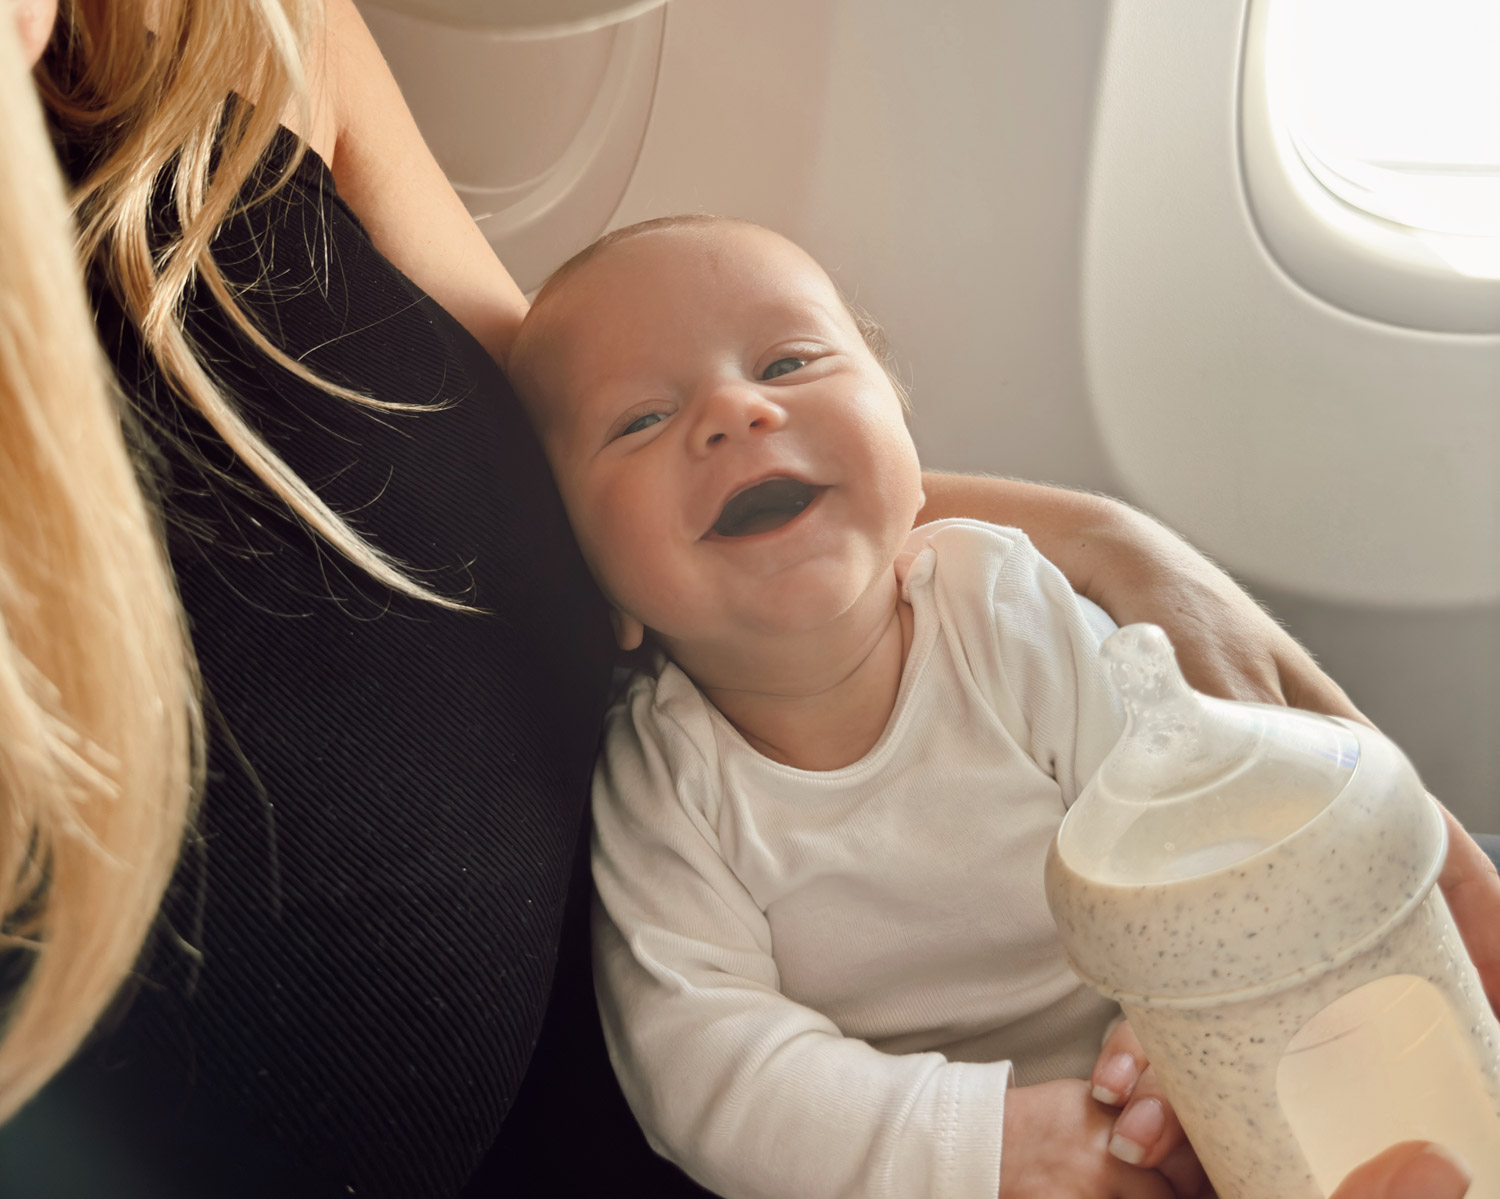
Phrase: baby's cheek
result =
(629, 576)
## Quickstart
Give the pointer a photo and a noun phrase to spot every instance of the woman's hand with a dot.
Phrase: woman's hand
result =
(1471, 886)
(1147, 1132)
(1413, 1170)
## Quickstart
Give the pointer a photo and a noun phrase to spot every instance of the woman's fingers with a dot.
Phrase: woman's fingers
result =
(1147, 1131)
(1472, 889)
(1412, 1170)
(1148, 1135)
(1120, 1064)
(1186, 1176)
(1303, 684)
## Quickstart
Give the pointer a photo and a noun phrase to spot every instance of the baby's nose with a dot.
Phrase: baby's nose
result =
(731, 412)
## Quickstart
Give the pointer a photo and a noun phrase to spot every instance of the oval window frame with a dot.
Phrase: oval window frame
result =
(1347, 257)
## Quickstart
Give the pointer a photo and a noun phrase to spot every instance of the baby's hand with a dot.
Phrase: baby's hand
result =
(1146, 1132)
(1057, 1147)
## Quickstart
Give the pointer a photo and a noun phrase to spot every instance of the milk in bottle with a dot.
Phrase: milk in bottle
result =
(1254, 885)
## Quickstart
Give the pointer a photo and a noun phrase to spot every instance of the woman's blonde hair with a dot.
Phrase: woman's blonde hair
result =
(99, 730)
(142, 85)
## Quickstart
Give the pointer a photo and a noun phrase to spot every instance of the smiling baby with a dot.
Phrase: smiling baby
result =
(822, 950)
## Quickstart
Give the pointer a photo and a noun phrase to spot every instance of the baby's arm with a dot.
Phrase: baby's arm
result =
(752, 1093)
(755, 1094)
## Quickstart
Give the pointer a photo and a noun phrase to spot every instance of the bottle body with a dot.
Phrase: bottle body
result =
(1284, 1093)
(1256, 887)
(1307, 1005)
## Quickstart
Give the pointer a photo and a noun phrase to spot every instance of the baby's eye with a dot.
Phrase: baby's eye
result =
(783, 366)
(641, 422)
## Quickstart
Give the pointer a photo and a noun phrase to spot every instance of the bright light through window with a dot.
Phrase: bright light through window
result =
(1395, 106)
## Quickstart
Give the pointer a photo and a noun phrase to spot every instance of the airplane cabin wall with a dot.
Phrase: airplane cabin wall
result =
(934, 161)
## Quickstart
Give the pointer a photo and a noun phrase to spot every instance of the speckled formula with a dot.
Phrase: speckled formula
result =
(1220, 972)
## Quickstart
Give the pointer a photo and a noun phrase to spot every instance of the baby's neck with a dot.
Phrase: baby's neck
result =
(820, 703)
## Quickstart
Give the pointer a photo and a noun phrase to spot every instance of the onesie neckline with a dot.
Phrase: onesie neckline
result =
(914, 570)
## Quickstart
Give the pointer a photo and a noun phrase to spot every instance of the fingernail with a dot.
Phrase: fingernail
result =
(1115, 1078)
(1435, 1173)
(1137, 1130)
(1127, 1151)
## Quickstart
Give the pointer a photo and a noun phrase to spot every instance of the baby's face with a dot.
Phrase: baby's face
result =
(733, 458)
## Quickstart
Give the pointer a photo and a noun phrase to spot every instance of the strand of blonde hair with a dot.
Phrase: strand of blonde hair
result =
(100, 745)
(157, 106)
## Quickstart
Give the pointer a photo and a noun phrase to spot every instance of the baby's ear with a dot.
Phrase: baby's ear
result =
(629, 632)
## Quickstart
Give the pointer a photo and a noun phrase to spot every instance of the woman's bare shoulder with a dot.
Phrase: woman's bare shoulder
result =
(388, 176)
(318, 123)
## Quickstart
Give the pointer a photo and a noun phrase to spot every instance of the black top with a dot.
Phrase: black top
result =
(355, 956)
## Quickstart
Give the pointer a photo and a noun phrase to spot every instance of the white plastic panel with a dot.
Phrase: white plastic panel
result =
(1313, 450)
(519, 18)
(538, 131)
(932, 158)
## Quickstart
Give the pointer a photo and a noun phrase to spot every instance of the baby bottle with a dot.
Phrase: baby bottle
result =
(1254, 885)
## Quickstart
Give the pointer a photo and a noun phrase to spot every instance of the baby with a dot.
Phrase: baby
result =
(822, 947)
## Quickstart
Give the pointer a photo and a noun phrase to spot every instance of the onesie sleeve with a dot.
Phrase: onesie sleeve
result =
(1032, 644)
(751, 1093)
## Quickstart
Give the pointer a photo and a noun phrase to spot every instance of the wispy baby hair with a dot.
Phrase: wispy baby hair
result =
(869, 328)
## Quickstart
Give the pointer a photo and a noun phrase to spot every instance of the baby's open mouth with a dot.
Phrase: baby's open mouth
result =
(764, 506)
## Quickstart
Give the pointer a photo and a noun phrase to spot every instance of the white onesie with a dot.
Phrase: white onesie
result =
(816, 983)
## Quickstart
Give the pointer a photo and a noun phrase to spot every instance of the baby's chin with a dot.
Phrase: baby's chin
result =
(813, 608)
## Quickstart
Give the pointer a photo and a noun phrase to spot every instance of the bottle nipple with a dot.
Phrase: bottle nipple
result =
(1196, 783)
(1161, 710)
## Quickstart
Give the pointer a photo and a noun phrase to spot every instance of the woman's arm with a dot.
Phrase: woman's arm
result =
(1137, 569)
(386, 173)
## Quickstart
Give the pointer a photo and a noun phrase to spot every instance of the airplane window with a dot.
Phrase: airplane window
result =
(1394, 108)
